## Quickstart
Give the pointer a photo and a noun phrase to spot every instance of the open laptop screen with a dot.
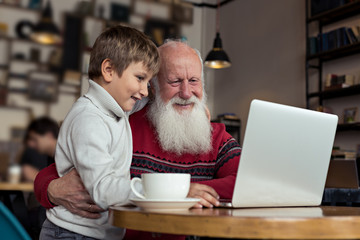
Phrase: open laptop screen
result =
(285, 156)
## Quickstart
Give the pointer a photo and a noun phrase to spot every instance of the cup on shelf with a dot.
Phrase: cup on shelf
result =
(14, 174)
(174, 186)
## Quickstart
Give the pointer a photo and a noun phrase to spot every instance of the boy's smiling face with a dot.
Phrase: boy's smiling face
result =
(130, 87)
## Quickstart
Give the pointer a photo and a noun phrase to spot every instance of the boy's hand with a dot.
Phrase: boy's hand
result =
(69, 192)
(207, 194)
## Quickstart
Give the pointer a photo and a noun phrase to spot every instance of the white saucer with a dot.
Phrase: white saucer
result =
(165, 204)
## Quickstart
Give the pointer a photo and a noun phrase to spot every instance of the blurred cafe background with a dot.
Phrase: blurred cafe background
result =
(45, 48)
(271, 51)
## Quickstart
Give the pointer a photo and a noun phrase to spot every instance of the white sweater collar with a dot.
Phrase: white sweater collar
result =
(103, 100)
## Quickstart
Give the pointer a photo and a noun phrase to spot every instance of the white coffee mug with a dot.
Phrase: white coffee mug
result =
(14, 174)
(162, 185)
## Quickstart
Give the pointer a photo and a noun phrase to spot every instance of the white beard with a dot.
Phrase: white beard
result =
(185, 132)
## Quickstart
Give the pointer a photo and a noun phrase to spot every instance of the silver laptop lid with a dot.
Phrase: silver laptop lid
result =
(285, 156)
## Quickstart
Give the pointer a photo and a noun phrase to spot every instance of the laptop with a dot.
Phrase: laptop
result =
(285, 156)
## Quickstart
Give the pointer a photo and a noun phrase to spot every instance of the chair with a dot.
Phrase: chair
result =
(10, 227)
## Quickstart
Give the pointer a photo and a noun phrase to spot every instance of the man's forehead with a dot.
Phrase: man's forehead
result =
(183, 73)
(181, 65)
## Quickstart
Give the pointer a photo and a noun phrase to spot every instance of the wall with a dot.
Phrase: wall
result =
(265, 41)
(208, 35)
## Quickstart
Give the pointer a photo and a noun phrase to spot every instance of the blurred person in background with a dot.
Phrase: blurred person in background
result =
(39, 149)
(40, 142)
(43, 133)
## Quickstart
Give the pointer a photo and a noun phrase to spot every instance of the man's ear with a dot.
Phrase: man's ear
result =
(107, 70)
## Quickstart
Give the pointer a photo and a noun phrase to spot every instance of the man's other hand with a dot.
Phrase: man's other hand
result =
(208, 195)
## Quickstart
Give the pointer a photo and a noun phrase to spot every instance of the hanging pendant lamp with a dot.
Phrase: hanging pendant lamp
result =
(217, 58)
(46, 32)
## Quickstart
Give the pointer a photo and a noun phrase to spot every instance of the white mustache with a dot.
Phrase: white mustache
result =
(178, 100)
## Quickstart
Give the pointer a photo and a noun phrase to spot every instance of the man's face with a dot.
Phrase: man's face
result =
(40, 142)
(178, 110)
(180, 76)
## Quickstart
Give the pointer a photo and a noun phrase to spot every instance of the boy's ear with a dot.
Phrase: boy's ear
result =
(107, 70)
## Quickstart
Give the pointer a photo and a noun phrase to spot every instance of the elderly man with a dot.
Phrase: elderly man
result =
(172, 134)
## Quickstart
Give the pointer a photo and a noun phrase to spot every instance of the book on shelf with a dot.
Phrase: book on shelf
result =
(228, 116)
(351, 36)
(334, 81)
(338, 154)
(313, 45)
(229, 119)
(334, 39)
(356, 31)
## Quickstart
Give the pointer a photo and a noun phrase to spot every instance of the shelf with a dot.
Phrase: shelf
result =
(18, 90)
(332, 16)
(349, 127)
(10, 107)
(337, 14)
(27, 61)
(341, 92)
(18, 75)
(13, 6)
(41, 65)
(333, 54)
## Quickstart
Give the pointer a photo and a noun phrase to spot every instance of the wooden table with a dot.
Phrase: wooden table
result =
(26, 187)
(327, 222)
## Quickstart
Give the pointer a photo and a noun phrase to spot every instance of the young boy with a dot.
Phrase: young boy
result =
(95, 136)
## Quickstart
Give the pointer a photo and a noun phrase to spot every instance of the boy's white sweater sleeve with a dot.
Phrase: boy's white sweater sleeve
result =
(107, 183)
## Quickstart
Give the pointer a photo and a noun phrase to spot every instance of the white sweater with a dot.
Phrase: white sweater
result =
(96, 139)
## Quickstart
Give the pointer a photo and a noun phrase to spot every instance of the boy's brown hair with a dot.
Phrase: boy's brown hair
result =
(123, 46)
